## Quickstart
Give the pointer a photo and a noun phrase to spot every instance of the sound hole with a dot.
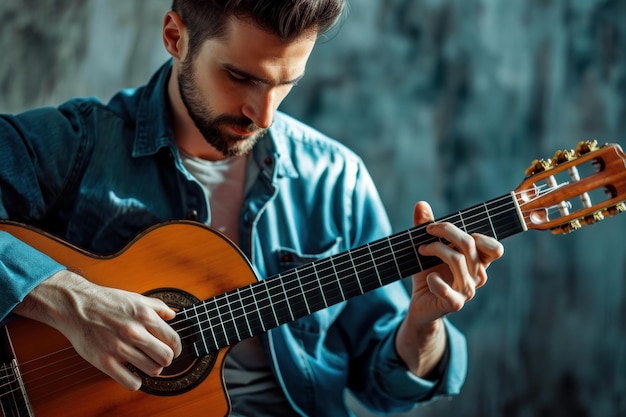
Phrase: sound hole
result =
(187, 371)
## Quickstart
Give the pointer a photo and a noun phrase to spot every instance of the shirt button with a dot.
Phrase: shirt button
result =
(192, 215)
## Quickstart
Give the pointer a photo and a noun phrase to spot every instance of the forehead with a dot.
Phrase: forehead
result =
(249, 48)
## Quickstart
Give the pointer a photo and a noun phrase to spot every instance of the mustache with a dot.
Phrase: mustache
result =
(240, 122)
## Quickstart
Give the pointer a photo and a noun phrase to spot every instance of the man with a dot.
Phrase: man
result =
(203, 140)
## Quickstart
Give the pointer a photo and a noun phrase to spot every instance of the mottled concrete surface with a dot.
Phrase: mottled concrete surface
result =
(447, 101)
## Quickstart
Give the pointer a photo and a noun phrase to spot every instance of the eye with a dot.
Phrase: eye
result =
(237, 78)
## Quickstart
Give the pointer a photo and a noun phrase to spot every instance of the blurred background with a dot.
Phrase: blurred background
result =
(447, 101)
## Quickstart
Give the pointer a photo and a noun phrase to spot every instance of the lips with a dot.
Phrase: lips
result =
(241, 132)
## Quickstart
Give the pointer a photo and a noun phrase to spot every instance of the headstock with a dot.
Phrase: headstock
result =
(574, 188)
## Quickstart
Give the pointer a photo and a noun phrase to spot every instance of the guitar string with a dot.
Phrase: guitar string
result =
(304, 278)
(429, 240)
(13, 403)
(32, 394)
(69, 348)
(243, 304)
(307, 276)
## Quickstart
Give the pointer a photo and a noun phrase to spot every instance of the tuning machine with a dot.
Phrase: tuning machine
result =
(561, 156)
(613, 210)
(590, 219)
(567, 228)
(538, 165)
(586, 147)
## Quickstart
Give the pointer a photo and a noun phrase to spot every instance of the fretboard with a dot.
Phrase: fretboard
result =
(233, 316)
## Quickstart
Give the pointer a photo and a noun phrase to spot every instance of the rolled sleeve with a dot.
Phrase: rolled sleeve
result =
(396, 381)
(22, 268)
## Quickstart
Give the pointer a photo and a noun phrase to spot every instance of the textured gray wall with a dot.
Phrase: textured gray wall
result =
(447, 101)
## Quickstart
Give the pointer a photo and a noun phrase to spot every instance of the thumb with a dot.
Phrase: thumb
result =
(162, 309)
(422, 213)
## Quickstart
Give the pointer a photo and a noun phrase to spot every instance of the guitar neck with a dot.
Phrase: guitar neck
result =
(231, 317)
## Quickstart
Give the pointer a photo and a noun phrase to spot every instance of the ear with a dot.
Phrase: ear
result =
(175, 35)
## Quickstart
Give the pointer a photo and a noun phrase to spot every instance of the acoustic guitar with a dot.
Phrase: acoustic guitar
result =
(219, 300)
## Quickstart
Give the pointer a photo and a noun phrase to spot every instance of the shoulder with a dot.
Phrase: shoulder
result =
(63, 121)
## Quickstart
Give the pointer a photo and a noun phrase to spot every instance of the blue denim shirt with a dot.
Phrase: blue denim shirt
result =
(96, 175)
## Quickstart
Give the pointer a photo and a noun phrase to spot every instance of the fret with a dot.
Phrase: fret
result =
(344, 265)
(493, 230)
(505, 217)
(405, 254)
(379, 282)
(276, 293)
(365, 269)
(271, 312)
(244, 328)
(286, 298)
(395, 259)
(311, 289)
(331, 288)
(252, 314)
(225, 318)
(202, 346)
(214, 317)
(386, 266)
(295, 295)
(262, 303)
(320, 283)
(415, 245)
(339, 294)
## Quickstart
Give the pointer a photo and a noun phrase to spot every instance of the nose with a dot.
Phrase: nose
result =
(260, 107)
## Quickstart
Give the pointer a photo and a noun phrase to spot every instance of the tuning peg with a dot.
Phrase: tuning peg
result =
(538, 165)
(613, 210)
(563, 156)
(567, 228)
(586, 147)
(593, 218)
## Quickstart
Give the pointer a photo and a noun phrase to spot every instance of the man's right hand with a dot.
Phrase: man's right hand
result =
(108, 327)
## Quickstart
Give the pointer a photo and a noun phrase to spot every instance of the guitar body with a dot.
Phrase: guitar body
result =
(190, 256)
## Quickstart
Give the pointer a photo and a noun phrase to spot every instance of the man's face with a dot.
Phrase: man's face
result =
(234, 84)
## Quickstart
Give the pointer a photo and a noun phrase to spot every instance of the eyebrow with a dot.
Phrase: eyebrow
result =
(252, 77)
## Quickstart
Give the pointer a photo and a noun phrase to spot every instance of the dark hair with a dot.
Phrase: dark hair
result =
(286, 18)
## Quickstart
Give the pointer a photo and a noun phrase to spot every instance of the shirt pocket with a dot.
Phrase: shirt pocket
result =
(289, 258)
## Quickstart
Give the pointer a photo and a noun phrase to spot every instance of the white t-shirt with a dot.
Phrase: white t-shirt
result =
(251, 385)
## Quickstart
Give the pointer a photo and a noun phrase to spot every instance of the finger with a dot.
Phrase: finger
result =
(459, 254)
(151, 346)
(123, 375)
(488, 248)
(161, 329)
(162, 309)
(460, 279)
(143, 357)
(452, 300)
(165, 334)
(422, 213)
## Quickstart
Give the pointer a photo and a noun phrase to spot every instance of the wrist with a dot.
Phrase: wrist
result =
(421, 347)
(49, 301)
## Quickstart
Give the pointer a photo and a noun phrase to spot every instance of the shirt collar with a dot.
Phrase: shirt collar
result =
(154, 123)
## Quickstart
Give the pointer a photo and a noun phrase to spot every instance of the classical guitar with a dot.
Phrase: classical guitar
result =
(219, 301)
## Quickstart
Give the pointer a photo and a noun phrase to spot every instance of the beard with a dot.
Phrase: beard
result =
(212, 127)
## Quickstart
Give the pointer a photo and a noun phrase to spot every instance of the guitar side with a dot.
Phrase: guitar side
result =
(187, 255)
